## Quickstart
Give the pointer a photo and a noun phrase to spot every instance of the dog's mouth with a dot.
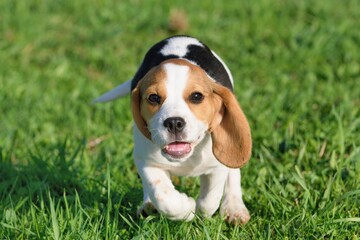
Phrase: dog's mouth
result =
(177, 149)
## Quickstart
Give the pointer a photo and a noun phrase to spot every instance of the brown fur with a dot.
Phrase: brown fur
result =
(198, 81)
(231, 137)
(135, 107)
(152, 83)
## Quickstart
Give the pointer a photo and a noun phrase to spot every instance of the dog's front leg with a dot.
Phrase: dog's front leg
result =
(163, 195)
(211, 191)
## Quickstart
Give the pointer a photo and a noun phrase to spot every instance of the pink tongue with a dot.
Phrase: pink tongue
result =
(177, 149)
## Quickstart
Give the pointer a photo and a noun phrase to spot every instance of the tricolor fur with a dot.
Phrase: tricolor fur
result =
(187, 123)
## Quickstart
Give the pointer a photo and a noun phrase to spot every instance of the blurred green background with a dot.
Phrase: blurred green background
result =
(66, 167)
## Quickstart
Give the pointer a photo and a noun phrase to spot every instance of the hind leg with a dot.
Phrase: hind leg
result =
(233, 208)
(211, 191)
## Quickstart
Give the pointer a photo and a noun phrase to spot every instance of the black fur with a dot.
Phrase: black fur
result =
(201, 56)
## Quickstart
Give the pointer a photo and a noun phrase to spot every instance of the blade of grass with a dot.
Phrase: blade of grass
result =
(54, 221)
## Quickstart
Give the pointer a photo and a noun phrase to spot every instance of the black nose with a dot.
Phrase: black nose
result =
(174, 124)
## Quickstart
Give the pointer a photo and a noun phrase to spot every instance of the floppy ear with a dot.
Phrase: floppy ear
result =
(230, 130)
(135, 108)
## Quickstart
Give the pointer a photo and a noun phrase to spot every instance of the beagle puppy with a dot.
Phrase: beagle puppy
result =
(187, 123)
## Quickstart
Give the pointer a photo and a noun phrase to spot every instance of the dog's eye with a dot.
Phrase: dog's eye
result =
(154, 99)
(196, 97)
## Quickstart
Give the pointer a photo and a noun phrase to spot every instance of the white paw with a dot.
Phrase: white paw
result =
(189, 213)
(181, 207)
(234, 211)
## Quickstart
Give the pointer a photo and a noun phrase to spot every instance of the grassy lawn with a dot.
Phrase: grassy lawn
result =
(66, 169)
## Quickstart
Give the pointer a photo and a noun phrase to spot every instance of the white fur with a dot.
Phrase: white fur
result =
(178, 46)
(115, 93)
(155, 168)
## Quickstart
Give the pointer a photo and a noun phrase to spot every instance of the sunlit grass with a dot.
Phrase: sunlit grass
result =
(66, 169)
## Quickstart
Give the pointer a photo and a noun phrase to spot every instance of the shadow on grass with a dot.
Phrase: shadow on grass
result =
(63, 175)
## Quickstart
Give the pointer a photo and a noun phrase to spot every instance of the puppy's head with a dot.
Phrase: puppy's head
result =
(176, 103)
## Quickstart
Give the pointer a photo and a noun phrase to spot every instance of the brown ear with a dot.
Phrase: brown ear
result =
(230, 134)
(135, 108)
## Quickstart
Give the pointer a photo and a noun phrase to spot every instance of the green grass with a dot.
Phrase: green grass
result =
(66, 169)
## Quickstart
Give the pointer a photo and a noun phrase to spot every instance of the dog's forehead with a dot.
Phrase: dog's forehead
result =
(173, 76)
(177, 78)
(179, 64)
(181, 75)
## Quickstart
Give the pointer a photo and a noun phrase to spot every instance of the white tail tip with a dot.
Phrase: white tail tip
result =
(115, 93)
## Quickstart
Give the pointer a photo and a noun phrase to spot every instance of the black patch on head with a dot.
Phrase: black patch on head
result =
(204, 58)
(152, 58)
(200, 55)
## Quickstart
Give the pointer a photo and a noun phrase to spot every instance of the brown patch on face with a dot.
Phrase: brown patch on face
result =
(152, 83)
(143, 109)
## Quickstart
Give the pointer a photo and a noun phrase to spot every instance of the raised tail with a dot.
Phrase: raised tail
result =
(115, 93)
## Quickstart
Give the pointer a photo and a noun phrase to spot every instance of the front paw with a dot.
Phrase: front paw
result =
(184, 211)
(180, 207)
(234, 211)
